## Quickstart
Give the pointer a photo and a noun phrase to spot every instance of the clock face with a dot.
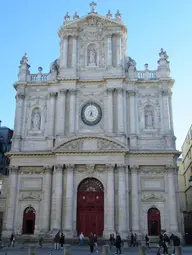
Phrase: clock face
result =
(91, 113)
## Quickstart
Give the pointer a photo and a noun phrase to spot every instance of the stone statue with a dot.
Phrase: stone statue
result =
(129, 62)
(36, 120)
(92, 57)
(55, 67)
(149, 118)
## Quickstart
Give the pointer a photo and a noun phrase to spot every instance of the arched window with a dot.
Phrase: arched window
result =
(90, 184)
(29, 216)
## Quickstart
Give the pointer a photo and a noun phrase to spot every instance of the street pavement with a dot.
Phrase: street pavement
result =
(76, 250)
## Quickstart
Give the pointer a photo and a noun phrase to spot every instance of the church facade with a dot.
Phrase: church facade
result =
(93, 147)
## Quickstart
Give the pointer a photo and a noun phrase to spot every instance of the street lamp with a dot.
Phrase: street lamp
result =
(190, 181)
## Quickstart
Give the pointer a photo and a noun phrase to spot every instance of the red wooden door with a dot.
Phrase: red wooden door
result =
(154, 222)
(29, 221)
(90, 211)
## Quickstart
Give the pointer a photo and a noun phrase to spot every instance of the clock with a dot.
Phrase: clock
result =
(91, 113)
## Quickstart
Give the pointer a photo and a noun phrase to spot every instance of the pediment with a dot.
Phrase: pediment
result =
(91, 144)
(91, 21)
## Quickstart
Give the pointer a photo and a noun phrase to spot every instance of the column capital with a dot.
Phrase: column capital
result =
(90, 167)
(134, 169)
(20, 95)
(59, 168)
(63, 91)
(47, 168)
(109, 167)
(131, 93)
(53, 94)
(13, 169)
(119, 90)
(72, 91)
(110, 90)
(121, 167)
(170, 168)
(69, 166)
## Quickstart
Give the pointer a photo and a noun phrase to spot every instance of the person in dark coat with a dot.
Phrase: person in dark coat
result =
(147, 241)
(91, 242)
(62, 240)
(12, 240)
(176, 241)
(111, 240)
(57, 240)
(118, 244)
(132, 240)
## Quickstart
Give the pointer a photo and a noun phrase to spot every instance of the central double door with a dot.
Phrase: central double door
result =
(90, 213)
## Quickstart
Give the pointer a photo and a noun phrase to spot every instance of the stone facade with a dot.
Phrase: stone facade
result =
(93, 116)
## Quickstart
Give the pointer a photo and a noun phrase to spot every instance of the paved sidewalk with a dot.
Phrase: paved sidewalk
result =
(76, 250)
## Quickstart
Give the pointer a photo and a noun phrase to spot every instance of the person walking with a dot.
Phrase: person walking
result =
(62, 240)
(91, 242)
(95, 242)
(12, 240)
(175, 241)
(147, 241)
(118, 244)
(81, 238)
(57, 240)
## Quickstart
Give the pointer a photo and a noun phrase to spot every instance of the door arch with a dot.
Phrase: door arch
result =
(29, 216)
(90, 207)
(154, 222)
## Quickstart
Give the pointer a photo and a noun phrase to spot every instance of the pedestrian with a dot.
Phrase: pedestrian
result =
(132, 240)
(147, 241)
(176, 242)
(81, 238)
(62, 240)
(95, 242)
(111, 241)
(41, 242)
(12, 240)
(118, 244)
(57, 240)
(91, 242)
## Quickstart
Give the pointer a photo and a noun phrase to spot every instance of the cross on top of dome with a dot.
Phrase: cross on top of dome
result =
(92, 5)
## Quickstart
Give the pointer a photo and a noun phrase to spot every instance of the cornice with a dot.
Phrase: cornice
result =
(143, 152)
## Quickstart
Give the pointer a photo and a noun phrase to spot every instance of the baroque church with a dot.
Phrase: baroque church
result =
(93, 148)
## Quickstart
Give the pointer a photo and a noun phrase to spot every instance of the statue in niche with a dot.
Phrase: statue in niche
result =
(36, 120)
(149, 119)
(92, 57)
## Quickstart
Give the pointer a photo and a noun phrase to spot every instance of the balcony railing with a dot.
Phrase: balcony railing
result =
(39, 77)
(146, 75)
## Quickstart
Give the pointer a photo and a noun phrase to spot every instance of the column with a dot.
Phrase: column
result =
(109, 50)
(13, 182)
(60, 121)
(18, 121)
(118, 38)
(134, 199)
(110, 110)
(72, 112)
(46, 198)
(69, 198)
(110, 204)
(51, 114)
(172, 203)
(132, 120)
(65, 51)
(120, 111)
(122, 199)
(57, 198)
(74, 53)
(166, 119)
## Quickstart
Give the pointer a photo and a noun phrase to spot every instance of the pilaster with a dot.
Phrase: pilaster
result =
(46, 198)
(120, 111)
(74, 54)
(110, 202)
(166, 119)
(60, 121)
(65, 50)
(51, 114)
(122, 200)
(118, 38)
(109, 50)
(135, 199)
(110, 110)
(72, 112)
(69, 199)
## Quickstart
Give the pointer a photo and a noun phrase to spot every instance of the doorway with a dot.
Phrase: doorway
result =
(29, 221)
(154, 222)
(90, 207)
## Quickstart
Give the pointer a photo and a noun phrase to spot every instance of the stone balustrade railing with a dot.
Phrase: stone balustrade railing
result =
(141, 75)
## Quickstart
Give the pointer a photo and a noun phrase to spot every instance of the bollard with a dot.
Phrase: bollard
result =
(67, 249)
(105, 250)
(178, 250)
(141, 250)
(31, 250)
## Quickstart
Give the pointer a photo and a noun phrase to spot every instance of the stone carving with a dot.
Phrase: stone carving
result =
(13, 169)
(101, 144)
(152, 170)
(54, 69)
(47, 168)
(92, 5)
(31, 170)
(24, 59)
(118, 16)
(150, 197)
(92, 55)
(90, 168)
(36, 119)
(76, 16)
(67, 17)
(30, 196)
(149, 118)
(109, 15)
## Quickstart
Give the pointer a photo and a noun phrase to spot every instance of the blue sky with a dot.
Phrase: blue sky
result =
(31, 26)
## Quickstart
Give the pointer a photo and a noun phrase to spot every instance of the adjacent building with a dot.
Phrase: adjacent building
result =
(93, 148)
(185, 181)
